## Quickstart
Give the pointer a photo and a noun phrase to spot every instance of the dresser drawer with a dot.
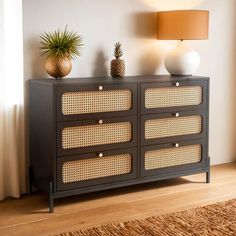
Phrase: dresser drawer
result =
(96, 135)
(93, 169)
(168, 127)
(165, 158)
(86, 102)
(183, 95)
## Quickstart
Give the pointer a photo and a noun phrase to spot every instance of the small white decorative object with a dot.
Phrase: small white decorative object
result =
(182, 60)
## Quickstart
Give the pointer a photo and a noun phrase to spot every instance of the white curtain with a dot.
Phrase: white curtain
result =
(12, 145)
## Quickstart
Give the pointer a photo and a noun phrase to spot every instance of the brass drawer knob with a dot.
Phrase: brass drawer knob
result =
(177, 84)
(176, 145)
(177, 114)
(100, 87)
(100, 154)
(100, 122)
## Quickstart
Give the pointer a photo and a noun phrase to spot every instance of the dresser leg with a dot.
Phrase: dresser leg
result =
(51, 198)
(30, 175)
(208, 179)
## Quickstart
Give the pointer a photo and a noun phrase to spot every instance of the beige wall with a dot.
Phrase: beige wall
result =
(103, 22)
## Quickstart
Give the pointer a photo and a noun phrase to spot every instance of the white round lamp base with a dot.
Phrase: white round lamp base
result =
(182, 60)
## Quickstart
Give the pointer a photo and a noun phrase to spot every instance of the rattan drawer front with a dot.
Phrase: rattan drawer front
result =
(169, 157)
(86, 102)
(173, 96)
(94, 135)
(94, 168)
(176, 126)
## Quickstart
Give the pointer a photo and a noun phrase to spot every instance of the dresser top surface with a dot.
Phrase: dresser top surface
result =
(127, 79)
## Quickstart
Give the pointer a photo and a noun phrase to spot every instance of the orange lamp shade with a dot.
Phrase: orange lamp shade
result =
(182, 24)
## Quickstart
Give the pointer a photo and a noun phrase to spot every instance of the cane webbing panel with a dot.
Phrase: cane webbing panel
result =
(168, 127)
(94, 168)
(86, 102)
(157, 159)
(93, 135)
(173, 96)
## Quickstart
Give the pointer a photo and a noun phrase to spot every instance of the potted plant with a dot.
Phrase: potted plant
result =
(59, 48)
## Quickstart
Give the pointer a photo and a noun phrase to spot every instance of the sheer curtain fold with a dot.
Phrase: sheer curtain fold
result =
(12, 145)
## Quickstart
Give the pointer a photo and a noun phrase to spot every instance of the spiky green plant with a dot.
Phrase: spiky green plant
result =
(61, 44)
(118, 52)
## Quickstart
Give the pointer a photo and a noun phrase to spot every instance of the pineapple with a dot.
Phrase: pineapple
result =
(118, 65)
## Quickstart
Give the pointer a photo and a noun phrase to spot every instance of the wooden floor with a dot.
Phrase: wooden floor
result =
(29, 215)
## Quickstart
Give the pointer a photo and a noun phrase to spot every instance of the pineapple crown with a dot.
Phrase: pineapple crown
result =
(118, 52)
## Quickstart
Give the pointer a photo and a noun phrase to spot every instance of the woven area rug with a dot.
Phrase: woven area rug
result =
(216, 219)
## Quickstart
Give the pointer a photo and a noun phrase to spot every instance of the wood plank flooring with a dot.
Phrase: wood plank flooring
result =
(29, 215)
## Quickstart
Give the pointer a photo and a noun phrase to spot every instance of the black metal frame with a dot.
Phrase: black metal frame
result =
(47, 121)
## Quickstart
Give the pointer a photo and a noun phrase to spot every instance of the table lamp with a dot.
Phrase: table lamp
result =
(182, 25)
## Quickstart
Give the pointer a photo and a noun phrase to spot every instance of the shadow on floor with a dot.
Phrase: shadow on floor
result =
(37, 202)
(114, 192)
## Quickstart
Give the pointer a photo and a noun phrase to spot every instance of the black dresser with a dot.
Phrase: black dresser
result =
(92, 134)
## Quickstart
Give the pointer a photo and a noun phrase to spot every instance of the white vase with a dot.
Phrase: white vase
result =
(182, 60)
